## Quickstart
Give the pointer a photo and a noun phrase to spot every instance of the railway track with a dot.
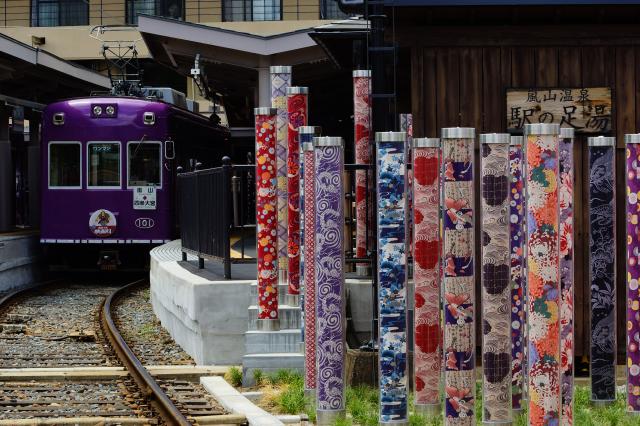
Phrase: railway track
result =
(64, 361)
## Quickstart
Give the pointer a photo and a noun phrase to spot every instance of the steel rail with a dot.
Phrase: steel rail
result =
(147, 384)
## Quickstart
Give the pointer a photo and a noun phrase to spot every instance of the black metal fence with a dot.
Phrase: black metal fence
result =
(217, 206)
(217, 210)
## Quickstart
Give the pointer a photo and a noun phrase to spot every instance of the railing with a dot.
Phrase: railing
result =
(217, 207)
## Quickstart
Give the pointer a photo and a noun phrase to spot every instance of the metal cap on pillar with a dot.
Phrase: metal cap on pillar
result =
(601, 141)
(542, 129)
(280, 69)
(458, 133)
(567, 132)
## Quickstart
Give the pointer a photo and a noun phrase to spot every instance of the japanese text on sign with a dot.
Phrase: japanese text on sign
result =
(144, 198)
(587, 110)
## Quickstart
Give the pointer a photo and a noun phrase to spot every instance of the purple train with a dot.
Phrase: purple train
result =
(109, 169)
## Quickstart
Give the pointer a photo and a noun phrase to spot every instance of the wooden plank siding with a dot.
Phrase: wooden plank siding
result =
(466, 86)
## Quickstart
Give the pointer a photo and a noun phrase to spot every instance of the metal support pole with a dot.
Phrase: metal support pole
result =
(602, 272)
(543, 273)
(496, 279)
(427, 351)
(267, 218)
(329, 277)
(226, 215)
(297, 107)
(392, 276)
(459, 274)
(280, 81)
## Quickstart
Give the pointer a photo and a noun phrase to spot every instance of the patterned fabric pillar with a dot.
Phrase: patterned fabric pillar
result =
(566, 272)
(516, 206)
(458, 281)
(280, 81)
(496, 278)
(362, 129)
(633, 272)
(543, 273)
(392, 277)
(297, 100)
(329, 277)
(602, 273)
(307, 263)
(406, 125)
(427, 353)
(266, 218)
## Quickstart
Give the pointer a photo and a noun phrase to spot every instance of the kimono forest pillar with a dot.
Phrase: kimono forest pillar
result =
(459, 275)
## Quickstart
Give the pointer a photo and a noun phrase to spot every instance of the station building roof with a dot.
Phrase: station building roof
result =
(31, 76)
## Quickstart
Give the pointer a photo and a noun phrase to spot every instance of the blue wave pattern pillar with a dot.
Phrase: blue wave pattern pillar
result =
(280, 81)
(516, 219)
(602, 262)
(566, 272)
(329, 277)
(458, 280)
(392, 277)
(496, 278)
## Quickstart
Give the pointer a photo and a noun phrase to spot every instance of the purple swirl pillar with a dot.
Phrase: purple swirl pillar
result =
(329, 277)
(633, 271)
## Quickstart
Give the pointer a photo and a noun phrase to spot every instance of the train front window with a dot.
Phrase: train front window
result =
(144, 164)
(64, 165)
(103, 169)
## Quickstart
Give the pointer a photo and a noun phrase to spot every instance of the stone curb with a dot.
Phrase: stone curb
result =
(234, 402)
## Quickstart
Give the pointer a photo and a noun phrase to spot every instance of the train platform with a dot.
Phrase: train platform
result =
(214, 319)
(20, 258)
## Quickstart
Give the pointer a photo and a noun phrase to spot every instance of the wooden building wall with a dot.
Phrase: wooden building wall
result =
(462, 81)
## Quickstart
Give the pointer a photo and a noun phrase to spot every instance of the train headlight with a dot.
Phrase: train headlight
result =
(110, 110)
(97, 111)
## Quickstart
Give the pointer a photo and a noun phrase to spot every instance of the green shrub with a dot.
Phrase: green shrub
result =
(258, 377)
(234, 376)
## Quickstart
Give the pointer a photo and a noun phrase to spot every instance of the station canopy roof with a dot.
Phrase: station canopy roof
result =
(32, 77)
(231, 52)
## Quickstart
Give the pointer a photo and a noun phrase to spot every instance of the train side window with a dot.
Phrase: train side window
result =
(144, 160)
(103, 165)
(64, 165)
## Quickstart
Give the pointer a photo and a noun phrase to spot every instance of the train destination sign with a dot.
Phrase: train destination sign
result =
(587, 110)
(144, 197)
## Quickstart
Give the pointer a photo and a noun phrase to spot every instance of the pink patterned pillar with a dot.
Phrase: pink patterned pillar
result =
(427, 355)
(566, 272)
(297, 101)
(362, 129)
(266, 218)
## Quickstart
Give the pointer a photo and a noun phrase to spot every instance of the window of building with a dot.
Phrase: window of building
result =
(56, 13)
(166, 8)
(329, 10)
(64, 165)
(103, 165)
(252, 10)
(144, 164)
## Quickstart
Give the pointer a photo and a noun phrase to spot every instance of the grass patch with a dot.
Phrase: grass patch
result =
(234, 376)
(362, 410)
(147, 329)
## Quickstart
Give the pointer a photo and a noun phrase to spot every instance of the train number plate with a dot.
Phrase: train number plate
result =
(144, 198)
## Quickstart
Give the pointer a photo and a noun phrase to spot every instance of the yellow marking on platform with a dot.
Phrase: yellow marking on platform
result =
(100, 373)
(235, 254)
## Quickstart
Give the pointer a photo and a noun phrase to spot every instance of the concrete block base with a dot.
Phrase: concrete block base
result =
(270, 363)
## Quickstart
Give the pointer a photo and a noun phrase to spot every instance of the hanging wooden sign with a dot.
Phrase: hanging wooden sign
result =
(587, 110)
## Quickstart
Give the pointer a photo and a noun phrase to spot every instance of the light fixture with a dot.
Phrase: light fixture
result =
(97, 110)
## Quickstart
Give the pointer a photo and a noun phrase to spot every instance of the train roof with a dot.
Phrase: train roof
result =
(153, 105)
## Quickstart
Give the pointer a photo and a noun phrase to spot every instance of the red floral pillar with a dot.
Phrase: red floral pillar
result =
(267, 218)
